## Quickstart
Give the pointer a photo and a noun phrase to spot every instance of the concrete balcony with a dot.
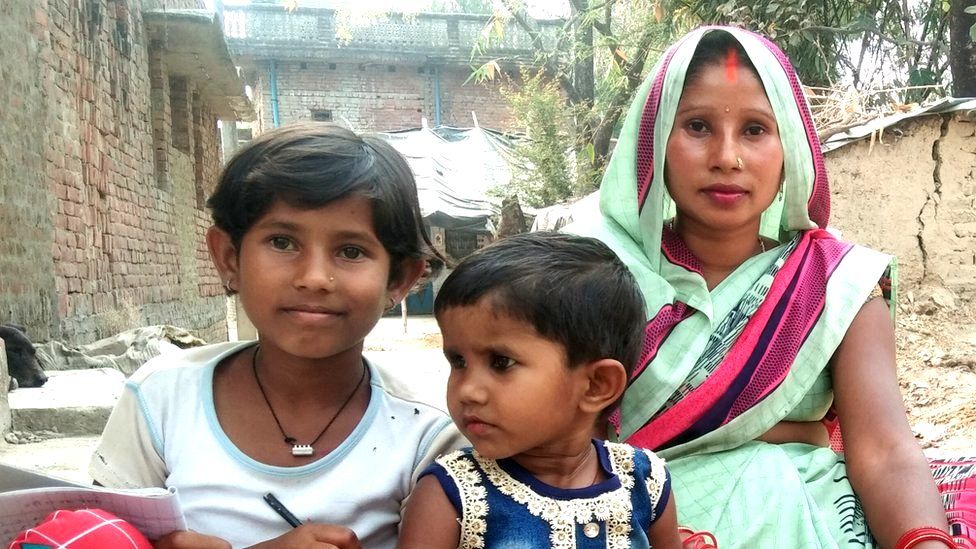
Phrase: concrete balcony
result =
(265, 32)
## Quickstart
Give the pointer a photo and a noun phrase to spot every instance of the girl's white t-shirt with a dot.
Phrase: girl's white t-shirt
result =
(164, 432)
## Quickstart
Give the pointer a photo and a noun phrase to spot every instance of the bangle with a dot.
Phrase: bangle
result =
(915, 536)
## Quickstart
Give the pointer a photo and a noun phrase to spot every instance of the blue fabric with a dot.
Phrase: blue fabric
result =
(511, 525)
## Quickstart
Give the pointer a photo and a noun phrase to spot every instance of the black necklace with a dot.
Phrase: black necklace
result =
(301, 450)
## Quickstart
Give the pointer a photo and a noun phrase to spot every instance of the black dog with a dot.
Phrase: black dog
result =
(25, 370)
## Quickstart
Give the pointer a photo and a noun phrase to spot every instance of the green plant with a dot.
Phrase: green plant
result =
(547, 177)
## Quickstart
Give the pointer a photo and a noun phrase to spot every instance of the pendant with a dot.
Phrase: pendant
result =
(302, 450)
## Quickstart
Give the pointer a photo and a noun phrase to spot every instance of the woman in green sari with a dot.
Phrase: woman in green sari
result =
(761, 323)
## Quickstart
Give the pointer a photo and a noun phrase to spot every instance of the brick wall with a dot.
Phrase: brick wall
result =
(102, 223)
(27, 277)
(375, 96)
(459, 99)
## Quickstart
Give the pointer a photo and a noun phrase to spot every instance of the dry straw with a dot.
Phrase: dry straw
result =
(838, 109)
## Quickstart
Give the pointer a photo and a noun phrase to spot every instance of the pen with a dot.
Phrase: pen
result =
(282, 510)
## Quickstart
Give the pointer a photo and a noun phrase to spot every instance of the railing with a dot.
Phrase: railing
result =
(250, 29)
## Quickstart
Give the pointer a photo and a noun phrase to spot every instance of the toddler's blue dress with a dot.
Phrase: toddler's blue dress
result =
(502, 506)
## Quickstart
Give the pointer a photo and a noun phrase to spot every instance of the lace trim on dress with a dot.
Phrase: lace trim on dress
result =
(655, 480)
(613, 507)
(474, 499)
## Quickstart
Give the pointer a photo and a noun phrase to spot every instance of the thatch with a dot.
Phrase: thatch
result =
(838, 109)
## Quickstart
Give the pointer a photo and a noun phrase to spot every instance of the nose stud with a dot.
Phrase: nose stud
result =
(738, 162)
(331, 279)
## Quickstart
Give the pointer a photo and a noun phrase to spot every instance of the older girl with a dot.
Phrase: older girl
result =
(318, 231)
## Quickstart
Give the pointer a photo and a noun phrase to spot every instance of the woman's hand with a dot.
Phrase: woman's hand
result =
(314, 536)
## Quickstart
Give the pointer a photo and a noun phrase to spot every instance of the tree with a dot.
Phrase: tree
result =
(962, 53)
(547, 176)
(865, 43)
(888, 51)
(601, 55)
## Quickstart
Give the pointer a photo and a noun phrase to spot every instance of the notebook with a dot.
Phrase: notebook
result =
(28, 497)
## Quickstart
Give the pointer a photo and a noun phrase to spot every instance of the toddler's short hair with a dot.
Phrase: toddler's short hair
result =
(572, 289)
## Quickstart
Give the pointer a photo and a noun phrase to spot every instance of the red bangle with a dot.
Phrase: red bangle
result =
(915, 536)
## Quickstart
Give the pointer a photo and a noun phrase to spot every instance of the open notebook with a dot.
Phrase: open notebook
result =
(27, 497)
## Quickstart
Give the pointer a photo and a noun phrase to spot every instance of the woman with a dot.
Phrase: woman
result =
(761, 322)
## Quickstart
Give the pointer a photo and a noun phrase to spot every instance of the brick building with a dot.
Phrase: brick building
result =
(110, 145)
(387, 75)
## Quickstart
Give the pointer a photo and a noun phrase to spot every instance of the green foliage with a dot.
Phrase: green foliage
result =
(596, 60)
(869, 43)
(548, 176)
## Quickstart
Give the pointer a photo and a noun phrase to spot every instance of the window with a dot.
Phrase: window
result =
(181, 115)
(322, 115)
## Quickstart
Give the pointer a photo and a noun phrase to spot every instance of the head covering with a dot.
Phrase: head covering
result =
(643, 139)
(634, 199)
(700, 369)
(82, 529)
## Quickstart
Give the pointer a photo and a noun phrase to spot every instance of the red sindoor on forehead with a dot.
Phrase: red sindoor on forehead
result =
(731, 65)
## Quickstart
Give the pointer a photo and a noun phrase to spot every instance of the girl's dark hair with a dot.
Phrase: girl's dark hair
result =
(572, 289)
(310, 164)
(714, 49)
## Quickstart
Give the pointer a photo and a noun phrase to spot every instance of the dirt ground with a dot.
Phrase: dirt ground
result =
(936, 346)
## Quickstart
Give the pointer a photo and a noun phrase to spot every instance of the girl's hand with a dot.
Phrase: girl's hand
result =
(314, 536)
(189, 540)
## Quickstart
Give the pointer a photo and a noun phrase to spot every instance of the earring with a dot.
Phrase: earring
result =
(227, 287)
(781, 188)
(391, 303)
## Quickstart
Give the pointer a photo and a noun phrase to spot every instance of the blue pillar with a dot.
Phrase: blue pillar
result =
(273, 70)
(437, 96)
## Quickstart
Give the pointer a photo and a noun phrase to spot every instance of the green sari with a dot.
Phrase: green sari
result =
(721, 367)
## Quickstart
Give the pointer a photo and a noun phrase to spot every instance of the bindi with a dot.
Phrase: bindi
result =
(732, 66)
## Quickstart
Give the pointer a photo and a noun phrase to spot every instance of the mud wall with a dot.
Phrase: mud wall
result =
(913, 194)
